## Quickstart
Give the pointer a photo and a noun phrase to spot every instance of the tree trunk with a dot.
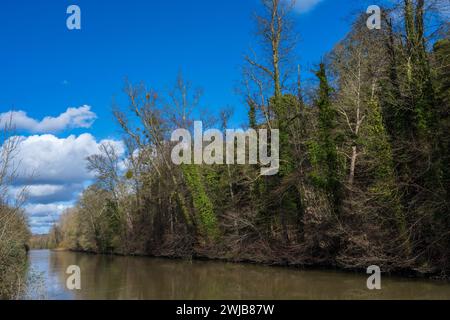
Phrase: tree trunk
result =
(352, 166)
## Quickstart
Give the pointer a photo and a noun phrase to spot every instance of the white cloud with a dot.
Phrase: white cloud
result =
(306, 5)
(47, 193)
(54, 172)
(46, 210)
(43, 189)
(81, 117)
(50, 160)
(42, 216)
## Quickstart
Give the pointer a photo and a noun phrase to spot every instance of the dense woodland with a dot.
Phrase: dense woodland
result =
(364, 158)
(364, 175)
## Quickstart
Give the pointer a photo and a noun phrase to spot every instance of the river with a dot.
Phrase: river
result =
(114, 277)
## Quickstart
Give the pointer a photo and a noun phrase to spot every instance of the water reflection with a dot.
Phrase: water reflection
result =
(111, 277)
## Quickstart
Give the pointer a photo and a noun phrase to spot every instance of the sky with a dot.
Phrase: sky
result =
(60, 84)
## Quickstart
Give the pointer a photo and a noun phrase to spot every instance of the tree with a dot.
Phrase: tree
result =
(442, 82)
(326, 172)
(14, 232)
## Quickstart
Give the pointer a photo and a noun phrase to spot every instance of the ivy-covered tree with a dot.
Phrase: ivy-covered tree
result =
(323, 150)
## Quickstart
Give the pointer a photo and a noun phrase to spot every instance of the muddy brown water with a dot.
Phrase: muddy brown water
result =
(113, 277)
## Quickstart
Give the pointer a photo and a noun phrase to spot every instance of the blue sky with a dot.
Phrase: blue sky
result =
(46, 69)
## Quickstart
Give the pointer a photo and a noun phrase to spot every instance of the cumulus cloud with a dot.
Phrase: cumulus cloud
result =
(47, 193)
(50, 160)
(72, 118)
(54, 172)
(42, 216)
(46, 210)
(306, 5)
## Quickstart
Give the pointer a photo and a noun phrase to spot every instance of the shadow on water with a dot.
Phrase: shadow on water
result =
(113, 277)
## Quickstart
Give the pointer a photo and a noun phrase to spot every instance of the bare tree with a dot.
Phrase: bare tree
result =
(14, 233)
(268, 69)
(151, 137)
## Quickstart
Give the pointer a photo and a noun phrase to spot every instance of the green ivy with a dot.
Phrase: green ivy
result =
(202, 202)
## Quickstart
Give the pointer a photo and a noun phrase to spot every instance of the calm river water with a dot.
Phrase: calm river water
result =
(111, 277)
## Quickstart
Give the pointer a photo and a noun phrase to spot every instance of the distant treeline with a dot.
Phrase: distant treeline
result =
(364, 158)
(42, 241)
